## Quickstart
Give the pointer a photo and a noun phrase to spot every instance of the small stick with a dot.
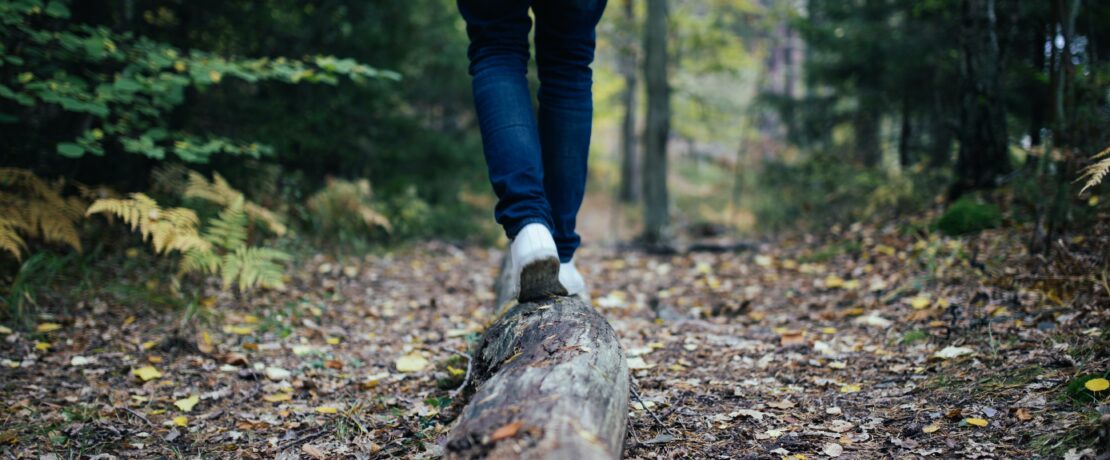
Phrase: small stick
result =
(648, 409)
(466, 378)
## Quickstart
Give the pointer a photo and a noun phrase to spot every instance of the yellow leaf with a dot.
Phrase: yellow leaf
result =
(851, 285)
(850, 388)
(149, 344)
(919, 302)
(976, 421)
(332, 340)
(127, 321)
(833, 281)
(931, 428)
(1097, 385)
(4, 330)
(42, 346)
(411, 363)
(455, 372)
(146, 373)
(326, 410)
(187, 404)
(838, 364)
(241, 330)
(48, 327)
(278, 397)
(181, 420)
(154, 359)
(215, 76)
(250, 319)
(828, 330)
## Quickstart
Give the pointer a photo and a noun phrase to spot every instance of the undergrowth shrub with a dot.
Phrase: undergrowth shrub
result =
(345, 210)
(966, 216)
(31, 207)
(222, 248)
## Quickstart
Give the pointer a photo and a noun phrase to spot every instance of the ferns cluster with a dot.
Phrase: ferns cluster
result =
(222, 249)
(30, 207)
(1096, 172)
(344, 206)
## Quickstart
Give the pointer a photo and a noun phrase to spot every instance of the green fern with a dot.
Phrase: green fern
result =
(218, 191)
(229, 229)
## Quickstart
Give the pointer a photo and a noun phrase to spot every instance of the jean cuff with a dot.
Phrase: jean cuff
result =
(512, 231)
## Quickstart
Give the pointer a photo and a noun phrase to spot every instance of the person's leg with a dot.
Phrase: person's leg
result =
(565, 39)
(498, 31)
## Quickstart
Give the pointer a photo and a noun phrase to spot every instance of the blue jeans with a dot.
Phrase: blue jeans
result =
(537, 169)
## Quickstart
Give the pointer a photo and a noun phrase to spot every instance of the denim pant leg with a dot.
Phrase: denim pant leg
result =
(565, 40)
(498, 31)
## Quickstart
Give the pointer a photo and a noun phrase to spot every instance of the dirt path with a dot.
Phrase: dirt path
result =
(876, 346)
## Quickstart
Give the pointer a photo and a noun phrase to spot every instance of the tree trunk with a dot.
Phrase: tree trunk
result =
(629, 192)
(657, 127)
(905, 133)
(551, 381)
(868, 116)
(983, 152)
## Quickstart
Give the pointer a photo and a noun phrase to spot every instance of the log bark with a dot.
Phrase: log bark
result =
(551, 381)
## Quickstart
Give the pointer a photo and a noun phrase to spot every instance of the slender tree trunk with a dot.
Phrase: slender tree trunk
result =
(983, 142)
(867, 123)
(629, 192)
(657, 127)
(904, 134)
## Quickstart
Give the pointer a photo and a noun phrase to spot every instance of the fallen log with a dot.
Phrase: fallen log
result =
(551, 381)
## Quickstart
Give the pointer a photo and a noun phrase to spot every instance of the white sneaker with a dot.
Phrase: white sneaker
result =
(535, 264)
(572, 280)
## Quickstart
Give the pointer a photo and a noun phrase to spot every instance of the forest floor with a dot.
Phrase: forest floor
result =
(865, 343)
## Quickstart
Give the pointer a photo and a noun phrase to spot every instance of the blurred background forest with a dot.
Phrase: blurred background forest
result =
(349, 124)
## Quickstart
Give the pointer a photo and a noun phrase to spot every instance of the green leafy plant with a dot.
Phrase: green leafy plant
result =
(968, 216)
(120, 87)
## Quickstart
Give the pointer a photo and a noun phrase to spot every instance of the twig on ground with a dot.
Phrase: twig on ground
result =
(466, 378)
(648, 409)
(303, 439)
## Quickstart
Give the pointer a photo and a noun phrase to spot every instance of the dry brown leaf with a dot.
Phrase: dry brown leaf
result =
(314, 452)
(507, 431)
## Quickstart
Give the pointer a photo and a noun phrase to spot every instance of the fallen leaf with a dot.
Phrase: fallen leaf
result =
(637, 362)
(313, 451)
(833, 449)
(181, 420)
(850, 388)
(833, 282)
(976, 421)
(792, 338)
(187, 404)
(1023, 414)
(874, 320)
(507, 431)
(146, 373)
(1097, 385)
(950, 352)
(79, 361)
(412, 362)
(48, 327)
(326, 410)
(241, 330)
(4, 330)
(931, 428)
(277, 373)
(42, 346)
(278, 397)
(784, 404)
(920, 302)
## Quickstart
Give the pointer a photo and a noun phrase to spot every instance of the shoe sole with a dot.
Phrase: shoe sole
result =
(540, 279)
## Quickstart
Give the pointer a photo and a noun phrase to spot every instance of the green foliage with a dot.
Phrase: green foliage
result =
(967, 215)
(118, 89)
